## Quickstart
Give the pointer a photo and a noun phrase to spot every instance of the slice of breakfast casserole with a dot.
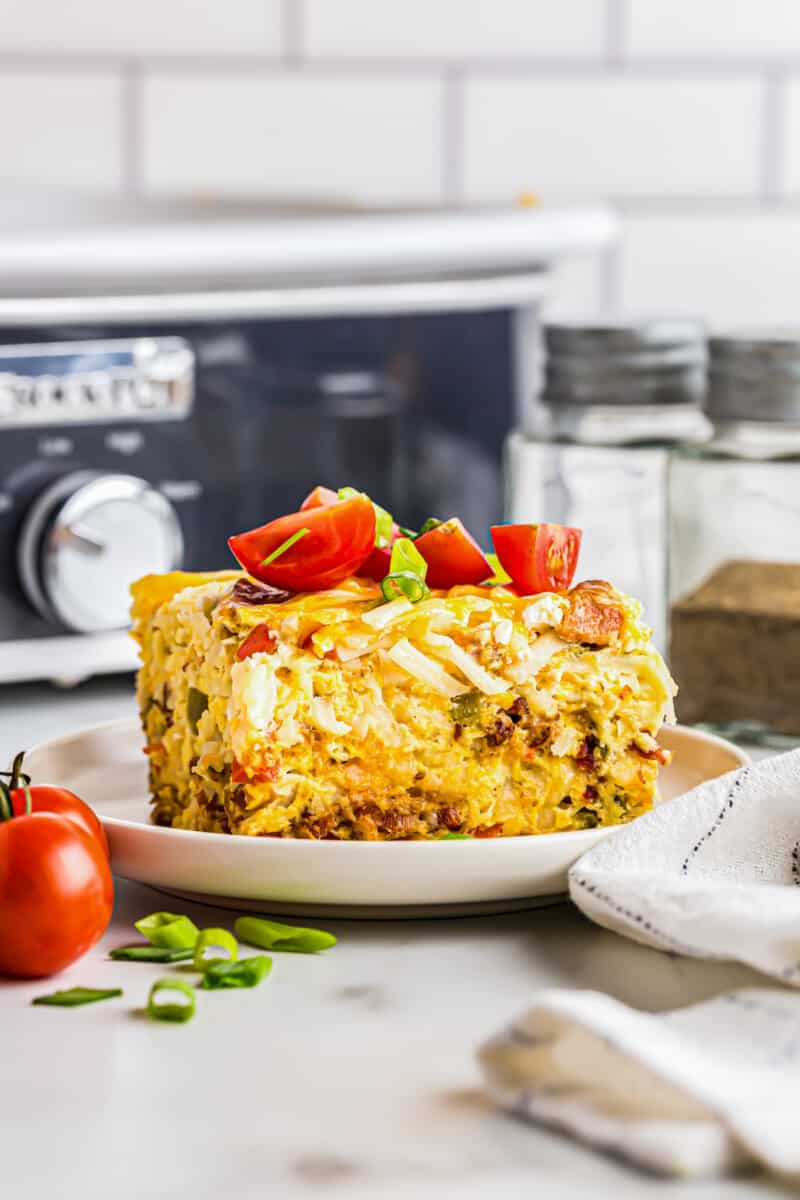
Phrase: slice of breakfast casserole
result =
(344, 713)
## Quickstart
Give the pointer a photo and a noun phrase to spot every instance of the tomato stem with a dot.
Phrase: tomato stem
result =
(6, 807)
(18, 779)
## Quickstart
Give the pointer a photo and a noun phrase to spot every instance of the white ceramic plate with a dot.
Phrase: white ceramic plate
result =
(105, 765)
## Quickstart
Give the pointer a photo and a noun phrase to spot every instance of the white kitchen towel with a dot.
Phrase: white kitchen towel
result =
(713, 874)
(693, 1092)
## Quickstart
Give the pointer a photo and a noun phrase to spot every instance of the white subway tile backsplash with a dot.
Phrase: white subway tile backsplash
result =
(714, 28)
(61, 130)
(730, 267)
(365, 138)
(619, 136)
(181, 27)
(454, 29)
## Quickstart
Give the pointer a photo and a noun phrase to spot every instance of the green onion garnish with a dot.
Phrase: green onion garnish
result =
(284, 546)
(404, 583)
(409, 533)
(426, 526)
(216, 939)
(246, 973)
(499, 575)
(156, 954)
(407, 571)
(456, 837)
(72, 997)
(272, 935)
(171, 1010)
(171, 931)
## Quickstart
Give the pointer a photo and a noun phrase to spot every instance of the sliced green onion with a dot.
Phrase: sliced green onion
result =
(499, 575)
(407, 571)
(272, 935)
(404, 583)
(284, 546)
(173, 931)
(383, 519)
(456, 837)
(246, 973)
(196, 705)
(215, 939)
(171, 1010)
(156, 954)
(428, 525)
(72, 997)
(409, 533)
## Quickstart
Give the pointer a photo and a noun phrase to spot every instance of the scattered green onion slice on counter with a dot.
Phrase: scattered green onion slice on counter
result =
(428, 525)
(72, 997)
(246, 973)
(171, 1010)
(156, 954)
(456, 837)
(499, 575)
(215, 939)
(284, 546)
(172, 931)
(196, 705)
(384, 521)
(272, 935)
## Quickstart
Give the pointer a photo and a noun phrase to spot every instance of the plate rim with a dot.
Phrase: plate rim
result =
(129, 724)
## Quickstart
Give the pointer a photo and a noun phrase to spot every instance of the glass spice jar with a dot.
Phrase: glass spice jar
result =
(735, 545)
(593, 449)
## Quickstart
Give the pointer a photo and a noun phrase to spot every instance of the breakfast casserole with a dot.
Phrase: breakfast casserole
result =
(362, 710)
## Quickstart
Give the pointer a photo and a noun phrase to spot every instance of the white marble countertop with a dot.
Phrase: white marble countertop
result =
(347, 1074)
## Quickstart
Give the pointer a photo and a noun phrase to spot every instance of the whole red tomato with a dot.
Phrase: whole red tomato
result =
(64, 804)
(56, 892)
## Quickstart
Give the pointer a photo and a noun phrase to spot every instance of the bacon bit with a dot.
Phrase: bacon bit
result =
(590, 793)
(264, 774)
(660, 755)
(261, 641)
(585, 756)
(154, 748)
(247, 591)
(594, 616)
(487, 831)
(449, 817)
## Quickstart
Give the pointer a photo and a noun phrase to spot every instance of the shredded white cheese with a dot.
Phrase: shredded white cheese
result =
(547, 609)
(379, 618)
(325, 718)
(466, 664)
(404, 655)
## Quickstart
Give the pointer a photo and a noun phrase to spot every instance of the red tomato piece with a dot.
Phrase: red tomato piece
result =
(319, 498)
(377, 565)
(453, 556)
(339, 540)
(260, 640)
(56, 893)
(539, 558)
(64, 804)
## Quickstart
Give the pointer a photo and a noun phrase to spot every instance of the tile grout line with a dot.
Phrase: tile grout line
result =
(774, 119)
(132, 130)
(453, 137)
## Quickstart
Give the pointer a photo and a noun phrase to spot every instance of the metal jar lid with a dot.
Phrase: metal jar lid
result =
(654, 360)
(754, 375)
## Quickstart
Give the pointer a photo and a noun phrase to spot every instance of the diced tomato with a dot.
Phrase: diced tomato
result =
(453, 556)
(319, 498)
(539, 558)
(340, 538)
(260, 641)
(377, 565)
